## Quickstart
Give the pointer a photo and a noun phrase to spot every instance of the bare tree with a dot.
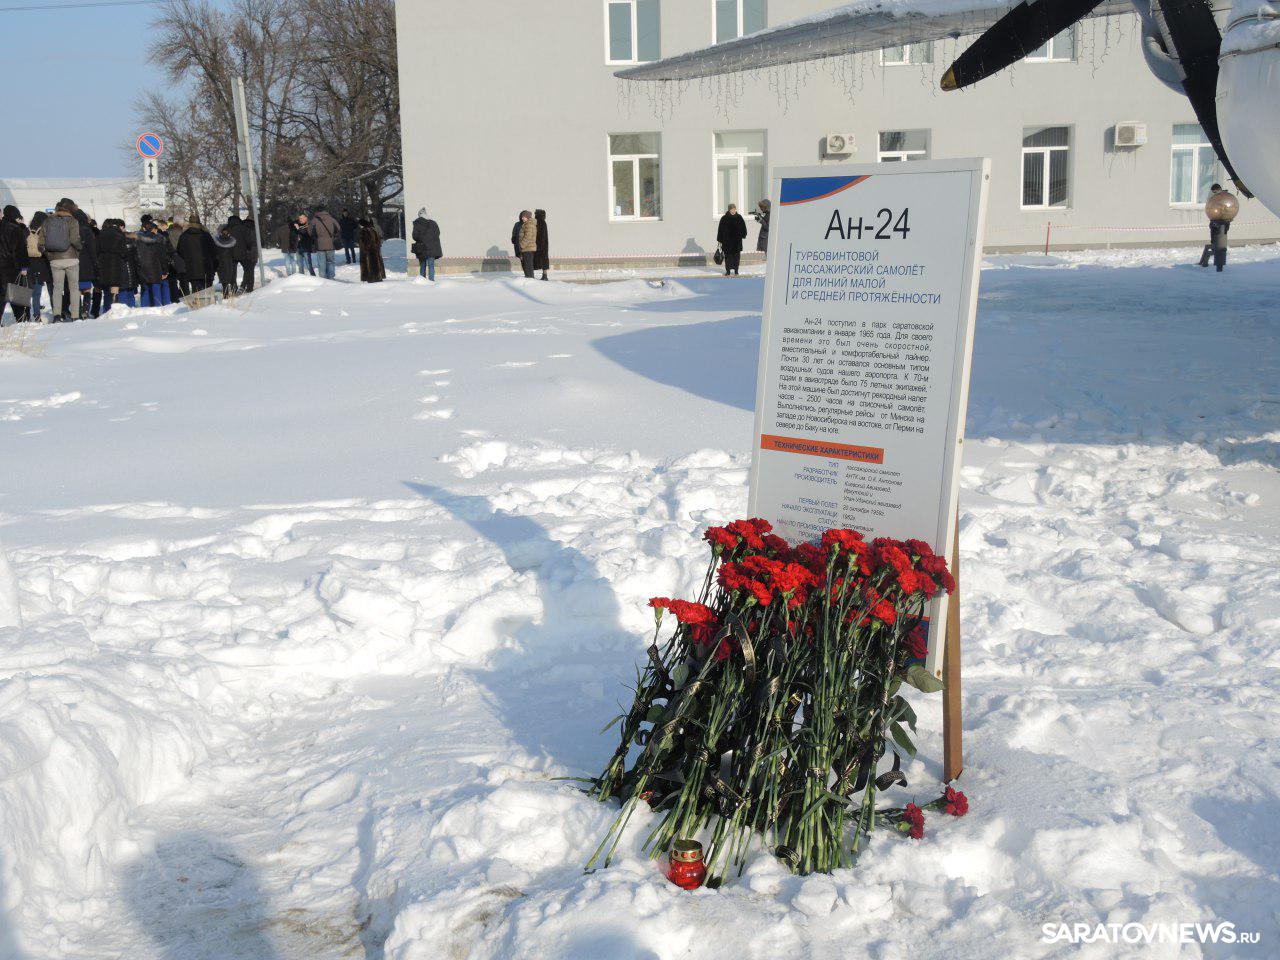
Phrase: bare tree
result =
(321, 89)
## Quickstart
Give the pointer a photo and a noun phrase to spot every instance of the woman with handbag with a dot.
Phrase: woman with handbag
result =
(733, 230)
(13, 265)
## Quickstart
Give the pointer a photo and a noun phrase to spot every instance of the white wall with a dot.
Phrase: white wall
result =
(508, 106)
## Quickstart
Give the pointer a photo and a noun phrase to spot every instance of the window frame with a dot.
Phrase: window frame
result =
(739, 27)
(634, 158)
(1194, 149)
(635, 35)
(718, 208)
(906, 54)
(905, 156)
(1051, 58)
(1046, 152)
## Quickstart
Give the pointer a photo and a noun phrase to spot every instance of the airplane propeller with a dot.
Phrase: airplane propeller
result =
(1029, 26)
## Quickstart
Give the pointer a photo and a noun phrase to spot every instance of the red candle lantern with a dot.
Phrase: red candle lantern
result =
(687, 870)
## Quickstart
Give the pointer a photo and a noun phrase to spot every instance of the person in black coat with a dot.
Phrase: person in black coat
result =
(13, 258)
(39, 273)
(155, 265)
(111, 261)
(90, 291)
(347, 226)
(762, 218)
(224, 248)
(372, 269)
(515, 235)
(245, 234)
(733, 230)
(426, 244)
(543, 260)
(196, 251)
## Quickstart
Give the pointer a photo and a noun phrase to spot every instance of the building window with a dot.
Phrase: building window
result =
(635, 176)
(898, 145)
(1060, 49)
(908, 53)
(631, 31)
(740, 176)
(731, 19)
(1194, 166)
(1045, 167)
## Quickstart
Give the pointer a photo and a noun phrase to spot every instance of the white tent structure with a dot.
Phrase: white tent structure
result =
(99, 197)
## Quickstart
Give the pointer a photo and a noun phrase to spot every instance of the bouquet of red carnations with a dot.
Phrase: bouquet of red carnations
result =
(769, 709)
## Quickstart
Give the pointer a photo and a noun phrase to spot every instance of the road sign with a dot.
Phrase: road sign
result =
(152, 196)
(150, 146)
(150, 171)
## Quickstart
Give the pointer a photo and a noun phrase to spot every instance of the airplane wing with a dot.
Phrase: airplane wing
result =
(853, 28)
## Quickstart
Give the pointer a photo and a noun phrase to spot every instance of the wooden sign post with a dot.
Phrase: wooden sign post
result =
(865, 349)
(952, 721)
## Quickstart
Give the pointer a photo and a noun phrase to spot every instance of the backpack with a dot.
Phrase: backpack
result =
(57, 234)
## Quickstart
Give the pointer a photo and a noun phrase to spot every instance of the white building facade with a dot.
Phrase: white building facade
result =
(515, 106)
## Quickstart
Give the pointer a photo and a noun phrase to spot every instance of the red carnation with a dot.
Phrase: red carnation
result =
(841, 539)
(751, 532)
(914, 816)
(884, 612)
(918, 643)
(957, 803)
(721, 538)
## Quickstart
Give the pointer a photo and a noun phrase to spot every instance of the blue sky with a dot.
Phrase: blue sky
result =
(72, 117)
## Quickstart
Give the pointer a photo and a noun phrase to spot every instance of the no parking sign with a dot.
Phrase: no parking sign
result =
(150, 146)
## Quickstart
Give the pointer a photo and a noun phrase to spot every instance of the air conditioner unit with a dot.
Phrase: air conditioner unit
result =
(1131, 133)
(838, 144)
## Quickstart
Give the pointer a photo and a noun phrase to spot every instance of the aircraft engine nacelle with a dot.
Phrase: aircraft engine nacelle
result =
(1249, 97)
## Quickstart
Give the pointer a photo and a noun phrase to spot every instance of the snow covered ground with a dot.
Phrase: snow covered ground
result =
(320, 590)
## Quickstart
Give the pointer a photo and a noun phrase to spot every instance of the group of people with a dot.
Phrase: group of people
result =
(733, 232)
(311, 243)
(532, 243)
(86, 268)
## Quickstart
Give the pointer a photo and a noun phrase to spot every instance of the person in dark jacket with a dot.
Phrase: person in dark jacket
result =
(13, 259)
(285, 237)
(426, 244)
(246, 250)
(224, 245)
(111, 261)
(528, 242)
(543, 259)
(196, 251)
(347, 224)
(515, 235)
(762, 218)
(90, 290)
(1218, 229)
(155, 265)
(173, 230)
(39, 274)
(306, 245)
(372, 269)
(733, 230)
(129, 278)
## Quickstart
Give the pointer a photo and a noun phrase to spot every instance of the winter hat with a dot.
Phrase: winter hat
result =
(11, 212)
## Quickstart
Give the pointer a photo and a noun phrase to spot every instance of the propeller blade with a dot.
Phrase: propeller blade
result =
(1021, 31)
(1197, 42)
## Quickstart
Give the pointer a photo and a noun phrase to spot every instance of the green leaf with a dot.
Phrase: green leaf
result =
(611, 723)
(655, 713)
(923, 680)
(680, 676)
(901, 739)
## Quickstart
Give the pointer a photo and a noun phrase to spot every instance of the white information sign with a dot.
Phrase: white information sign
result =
(150, 170)
(864, 352)
(152, 196)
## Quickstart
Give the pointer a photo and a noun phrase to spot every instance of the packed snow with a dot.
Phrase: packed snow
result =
(309, 602)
